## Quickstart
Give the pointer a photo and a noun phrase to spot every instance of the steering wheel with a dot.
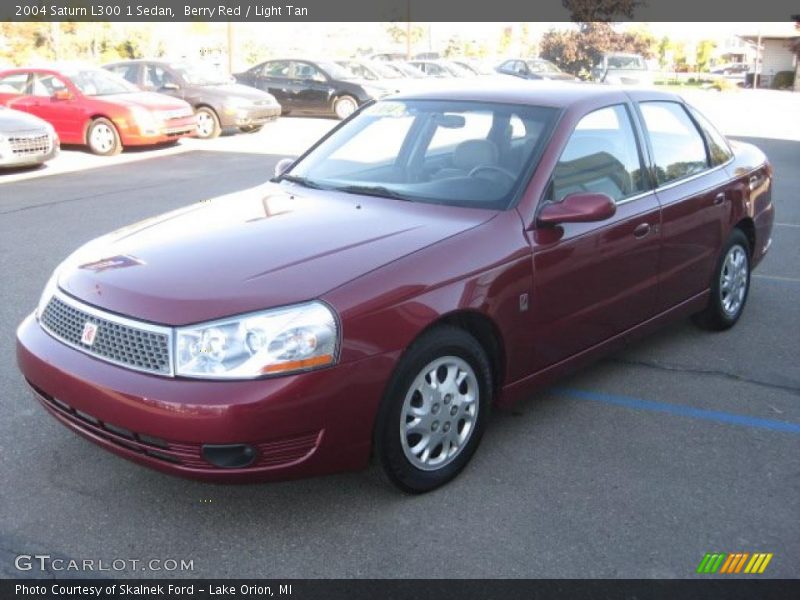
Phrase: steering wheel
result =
(505, 172)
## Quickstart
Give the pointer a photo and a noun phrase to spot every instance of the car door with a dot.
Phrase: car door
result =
(274, 77)
(593, 281)
(694, 198)
(158, 78)
(54, 100)
(313, 89)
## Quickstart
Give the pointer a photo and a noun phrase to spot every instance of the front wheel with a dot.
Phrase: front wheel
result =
(729, 286)
(435, 410)
(103, 138)
(207, 123)
(345, 106)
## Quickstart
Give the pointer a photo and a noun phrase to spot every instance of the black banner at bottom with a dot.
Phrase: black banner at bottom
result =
(401, 589)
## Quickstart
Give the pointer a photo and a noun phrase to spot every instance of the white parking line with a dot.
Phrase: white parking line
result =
(787, 225)
(777, 277)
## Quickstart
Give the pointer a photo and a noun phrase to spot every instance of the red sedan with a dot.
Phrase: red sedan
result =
(95, 108)
(434, 255)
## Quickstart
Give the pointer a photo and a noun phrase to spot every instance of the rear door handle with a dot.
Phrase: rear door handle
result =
(719, 198)
(754, 181)
(642, 229)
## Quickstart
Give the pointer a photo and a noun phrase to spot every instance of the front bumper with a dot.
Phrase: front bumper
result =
(251, 116)
(26, 159)
(168, 131)
(300, 425)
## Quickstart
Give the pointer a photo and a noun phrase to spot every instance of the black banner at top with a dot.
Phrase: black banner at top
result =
(396, 10)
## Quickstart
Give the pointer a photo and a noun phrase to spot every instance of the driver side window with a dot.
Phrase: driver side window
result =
(307, 72)
(47, 85)
(601, 156)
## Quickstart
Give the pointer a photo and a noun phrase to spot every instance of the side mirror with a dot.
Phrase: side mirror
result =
(170, 86)
(62, 95)
(283, 165)
(581, 207)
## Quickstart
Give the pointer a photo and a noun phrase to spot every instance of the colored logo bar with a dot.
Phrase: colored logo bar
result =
(737, 562)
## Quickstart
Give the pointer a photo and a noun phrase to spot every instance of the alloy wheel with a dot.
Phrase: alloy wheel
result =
(439, 413)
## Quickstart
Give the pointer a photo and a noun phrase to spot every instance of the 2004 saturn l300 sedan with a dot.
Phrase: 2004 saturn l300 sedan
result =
(432, 256)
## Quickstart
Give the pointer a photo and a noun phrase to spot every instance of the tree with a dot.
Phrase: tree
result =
(578, 51)
(589, 11)
(399, 32)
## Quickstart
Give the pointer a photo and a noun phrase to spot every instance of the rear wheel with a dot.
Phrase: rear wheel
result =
(102, 138)
(435, 410)
(207, 123)
(729, 287)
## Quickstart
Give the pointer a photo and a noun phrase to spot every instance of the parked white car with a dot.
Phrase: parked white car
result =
(25, 139)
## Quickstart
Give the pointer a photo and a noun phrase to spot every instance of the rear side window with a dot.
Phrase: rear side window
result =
(17, 83)
(128, 72)
(601, 156)
(718, 150)
(278, 68)
(678, 147)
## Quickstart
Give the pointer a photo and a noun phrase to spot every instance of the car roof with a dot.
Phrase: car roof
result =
(544, 93)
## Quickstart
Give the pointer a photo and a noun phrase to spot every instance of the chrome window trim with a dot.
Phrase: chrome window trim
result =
(119, 320)
(676, 182)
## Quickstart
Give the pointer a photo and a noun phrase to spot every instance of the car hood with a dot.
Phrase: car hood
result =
(269, 246)
(148, 100)
(15, 120)
(226, 90)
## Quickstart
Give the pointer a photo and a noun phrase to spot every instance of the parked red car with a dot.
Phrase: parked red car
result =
(96, 108)
(434, 255)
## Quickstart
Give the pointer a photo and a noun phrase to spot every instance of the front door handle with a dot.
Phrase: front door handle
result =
(719, 198)
(642, 229)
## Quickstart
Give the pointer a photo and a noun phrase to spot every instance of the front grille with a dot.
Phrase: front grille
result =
(23, 145)
(137, 346)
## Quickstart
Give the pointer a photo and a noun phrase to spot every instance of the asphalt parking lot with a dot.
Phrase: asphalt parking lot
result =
(683, 444)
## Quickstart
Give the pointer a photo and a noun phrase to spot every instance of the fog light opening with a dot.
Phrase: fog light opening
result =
(229, 456)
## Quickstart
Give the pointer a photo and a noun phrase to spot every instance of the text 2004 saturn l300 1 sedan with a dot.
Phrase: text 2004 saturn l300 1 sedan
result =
(431, 257)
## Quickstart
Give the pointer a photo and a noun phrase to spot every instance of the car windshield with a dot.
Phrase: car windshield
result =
(200, 74)
(625, 63)
(408, 70)
(335, 71)
(97, 82)
(542, 66)
(471, 154)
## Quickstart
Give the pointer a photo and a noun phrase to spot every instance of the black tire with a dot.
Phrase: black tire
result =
(715, 316)
(445, 343)
(102, 138)
(208, 126)
(344, 106)
(251, 128)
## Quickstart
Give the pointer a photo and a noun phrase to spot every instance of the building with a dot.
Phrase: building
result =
(774, 44)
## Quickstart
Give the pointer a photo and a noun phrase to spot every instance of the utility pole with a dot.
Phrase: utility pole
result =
(758, 61)
(408, 29)
(230, 48)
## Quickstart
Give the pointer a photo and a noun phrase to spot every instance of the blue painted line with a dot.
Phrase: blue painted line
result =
(680, 410)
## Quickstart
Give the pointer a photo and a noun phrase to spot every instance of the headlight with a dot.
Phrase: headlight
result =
(143, 118)
(279, 341)
(49, 290)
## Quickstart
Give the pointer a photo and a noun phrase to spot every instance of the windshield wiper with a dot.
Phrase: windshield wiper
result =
(300, 181)
(372, 190)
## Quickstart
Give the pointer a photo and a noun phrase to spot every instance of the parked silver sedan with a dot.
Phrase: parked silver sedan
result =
(25, 140)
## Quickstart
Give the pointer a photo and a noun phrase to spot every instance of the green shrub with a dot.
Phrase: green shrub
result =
(783, 80)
